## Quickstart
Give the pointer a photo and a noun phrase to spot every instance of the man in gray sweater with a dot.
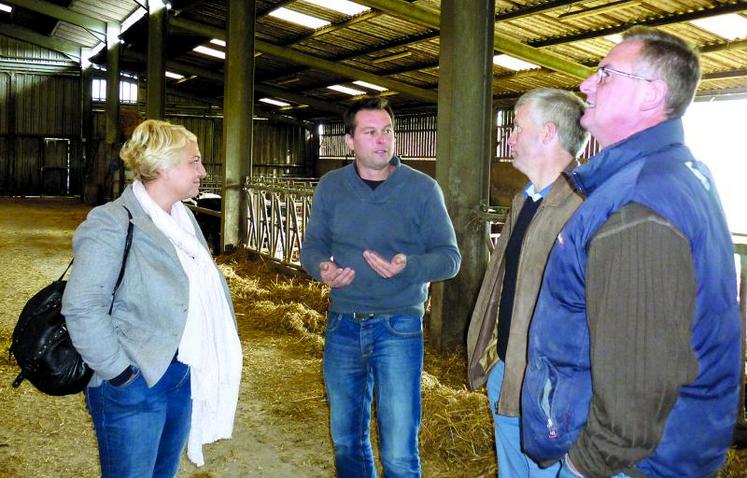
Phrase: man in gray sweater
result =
(378, 233)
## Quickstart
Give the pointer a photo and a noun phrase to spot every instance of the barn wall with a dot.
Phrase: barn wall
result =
(39, 121)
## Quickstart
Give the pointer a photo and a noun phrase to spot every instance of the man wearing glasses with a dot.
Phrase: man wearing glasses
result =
(634, 349)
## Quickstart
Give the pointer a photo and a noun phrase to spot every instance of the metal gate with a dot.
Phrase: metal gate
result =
(277, 213)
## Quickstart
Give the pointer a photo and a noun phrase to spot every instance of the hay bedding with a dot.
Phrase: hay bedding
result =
(282, 406)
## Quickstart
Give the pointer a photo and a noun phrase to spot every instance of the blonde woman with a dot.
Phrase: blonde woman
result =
(167, 357)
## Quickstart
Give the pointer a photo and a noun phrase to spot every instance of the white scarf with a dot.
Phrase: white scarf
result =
(210, 344)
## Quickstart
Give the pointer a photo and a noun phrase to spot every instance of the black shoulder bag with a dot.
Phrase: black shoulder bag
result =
(41, 343)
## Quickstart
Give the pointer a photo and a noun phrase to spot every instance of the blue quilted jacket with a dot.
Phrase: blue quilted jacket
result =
(655, 169)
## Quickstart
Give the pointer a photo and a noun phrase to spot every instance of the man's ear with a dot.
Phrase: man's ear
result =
(349, 142)
(549, 132)
(655, 96)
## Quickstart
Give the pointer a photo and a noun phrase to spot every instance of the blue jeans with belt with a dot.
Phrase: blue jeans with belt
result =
(142, 431)
(367, 355)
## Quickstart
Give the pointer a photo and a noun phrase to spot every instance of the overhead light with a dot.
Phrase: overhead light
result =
(298, 18)
(512, 63)
(270, 101)
(370, 86)
(396, 56)
(176, 76)
(210, 52)
(342, 6)
(730, 26)
(346, 90)
(614, 38)
(215, 41)
(168, 6)
(5, 8)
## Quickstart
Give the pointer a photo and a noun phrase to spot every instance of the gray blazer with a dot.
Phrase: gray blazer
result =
(150, 306)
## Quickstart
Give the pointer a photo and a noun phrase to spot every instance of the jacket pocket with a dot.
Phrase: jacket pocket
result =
(545, 393)
(546, 404)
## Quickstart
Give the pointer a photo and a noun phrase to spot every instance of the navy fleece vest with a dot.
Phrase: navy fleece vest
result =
(655, 169)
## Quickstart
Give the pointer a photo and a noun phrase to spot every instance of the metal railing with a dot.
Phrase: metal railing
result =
(278, 210)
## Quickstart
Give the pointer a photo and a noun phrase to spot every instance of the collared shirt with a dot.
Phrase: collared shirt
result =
(536, 196)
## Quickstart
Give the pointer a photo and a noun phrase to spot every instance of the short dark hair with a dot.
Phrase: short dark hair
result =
(365, 104)
(672, 60)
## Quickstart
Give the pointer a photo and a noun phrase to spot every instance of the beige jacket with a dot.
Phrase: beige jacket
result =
(555, 210)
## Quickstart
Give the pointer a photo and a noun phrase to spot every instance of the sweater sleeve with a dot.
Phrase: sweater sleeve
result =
(317, 240)
(441, 258)
(640, 292)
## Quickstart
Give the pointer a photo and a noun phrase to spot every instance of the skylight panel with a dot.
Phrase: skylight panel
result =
(370, 86)
(171, 74)
(215, 41)
(210, 52)
(346, 90)
(5, 8)
(512, 63)
(614, 38)
(730, 26)
(139, 13)
(273, 102)
(341, 6)
(298, 18)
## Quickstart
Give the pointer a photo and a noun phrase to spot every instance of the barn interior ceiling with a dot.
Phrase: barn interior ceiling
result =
(386, 47)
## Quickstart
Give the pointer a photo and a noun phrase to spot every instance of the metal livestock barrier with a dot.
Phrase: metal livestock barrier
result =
(277, 213)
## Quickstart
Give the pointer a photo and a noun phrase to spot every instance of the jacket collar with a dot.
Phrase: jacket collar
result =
(141, 220)
(613, 158)
(558, 193)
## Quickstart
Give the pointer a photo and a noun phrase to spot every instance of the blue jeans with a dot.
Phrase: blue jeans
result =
(142, 431)
(512, 462)
(381, 356)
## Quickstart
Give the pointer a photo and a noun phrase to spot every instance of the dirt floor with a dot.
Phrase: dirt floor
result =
(281, 423)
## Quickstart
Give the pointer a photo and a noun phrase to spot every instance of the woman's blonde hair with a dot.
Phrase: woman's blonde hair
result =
(154, 145)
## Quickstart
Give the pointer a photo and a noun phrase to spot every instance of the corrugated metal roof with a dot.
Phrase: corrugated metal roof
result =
(401, 49)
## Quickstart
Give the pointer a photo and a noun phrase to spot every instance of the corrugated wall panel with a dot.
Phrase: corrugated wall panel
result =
(55, 169)
(5, 160)
(17, 49)
(47, 105)
(280, 149)
(5, 85)
(28, 159)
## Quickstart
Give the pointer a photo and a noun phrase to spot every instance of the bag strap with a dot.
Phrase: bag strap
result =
(128, 244)
(66, 269)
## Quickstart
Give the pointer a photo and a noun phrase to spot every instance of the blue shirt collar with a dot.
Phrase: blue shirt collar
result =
(536, 196)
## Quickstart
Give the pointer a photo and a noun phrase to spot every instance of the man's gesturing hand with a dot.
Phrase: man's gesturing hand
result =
(335, 276)
(384, 267)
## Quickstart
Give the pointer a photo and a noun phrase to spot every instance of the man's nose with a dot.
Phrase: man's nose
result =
(588, 84)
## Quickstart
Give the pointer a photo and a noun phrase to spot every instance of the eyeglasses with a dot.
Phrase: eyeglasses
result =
(604, 72)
